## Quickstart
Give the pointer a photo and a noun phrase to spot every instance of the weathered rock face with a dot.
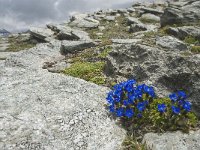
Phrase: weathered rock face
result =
(150, 17)
(171, 43)
(175, 141)
(167, 70)
(41, 33)
(83, 21)
(74, 46)
(151, 11)
(41, 110)
(181, 12)
(185, 31)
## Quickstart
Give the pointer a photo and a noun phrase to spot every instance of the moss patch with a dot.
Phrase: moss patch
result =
(87, 71)
(195, 49)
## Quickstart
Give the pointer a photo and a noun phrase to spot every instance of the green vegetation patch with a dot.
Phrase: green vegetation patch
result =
(105, 52)
(195, 49)
(17, 44)
(89, 71)
(191, 40)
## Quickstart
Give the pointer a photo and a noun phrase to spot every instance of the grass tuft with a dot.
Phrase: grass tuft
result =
(89, 71)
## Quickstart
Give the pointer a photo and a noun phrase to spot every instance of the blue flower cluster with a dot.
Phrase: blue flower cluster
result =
(179, 101)
(127, 99)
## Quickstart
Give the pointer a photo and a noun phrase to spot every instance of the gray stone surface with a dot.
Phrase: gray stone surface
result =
(132, 20)
(83, 21)
(185, 31)
(181, 12)
(166, 70)
(74, 46)
(42, 110)
(173, 141)
(137, 27)
(4, 55)
(3, 44)
(171, 43)
(110, 18)
(152, 11)
(150, 17)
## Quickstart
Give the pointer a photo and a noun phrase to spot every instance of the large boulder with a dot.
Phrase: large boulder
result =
(181, 12)
(173, 141)
(41, 34)
(42, 110)
(166, 70)
(64, 32)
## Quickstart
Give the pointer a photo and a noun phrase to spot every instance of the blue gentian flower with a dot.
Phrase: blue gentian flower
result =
(187, 106)
(112, 108)
(176, 110)
(146, 102)
(129, 113)
(181, 102)
(182, 95)
(139, 115)
(117, 99)
(173, 97)
(149, 90)
(120, 112)
(141, 106)
(162, 108)
(126, 102)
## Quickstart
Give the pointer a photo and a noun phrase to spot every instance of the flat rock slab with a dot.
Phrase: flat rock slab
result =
(42, 110)
(74, 46)
(171, 43)
(173, 141)
(41, 33)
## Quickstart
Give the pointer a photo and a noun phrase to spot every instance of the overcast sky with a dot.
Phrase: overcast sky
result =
(21, 14)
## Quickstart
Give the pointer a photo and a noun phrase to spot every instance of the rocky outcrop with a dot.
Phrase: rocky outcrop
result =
(181, 12)
(150, 17)
(171, 43)
(75, 46)
(185, 31)
(167, 70)
(41, 110)
(175, 141)
(83, 21)
(41, 34)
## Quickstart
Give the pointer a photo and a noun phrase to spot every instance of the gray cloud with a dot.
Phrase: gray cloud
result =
(21, 14)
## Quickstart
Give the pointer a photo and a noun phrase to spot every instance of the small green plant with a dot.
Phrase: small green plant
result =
(195, 49)
(87, 71)
(130, 143)
(105, 52)
(190, 40)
